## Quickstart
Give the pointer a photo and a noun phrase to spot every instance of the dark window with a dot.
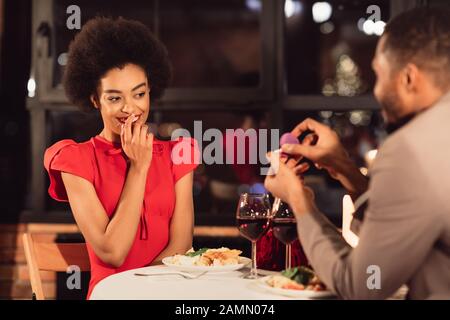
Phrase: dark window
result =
(327, 50)
(211, 43)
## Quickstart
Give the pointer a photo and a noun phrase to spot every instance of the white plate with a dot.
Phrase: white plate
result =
(300, 294)
(243, 261)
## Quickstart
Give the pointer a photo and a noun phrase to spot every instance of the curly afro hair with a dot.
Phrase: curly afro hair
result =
(107, 43)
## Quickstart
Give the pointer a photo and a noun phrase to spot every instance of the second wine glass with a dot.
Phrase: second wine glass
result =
(284, 227)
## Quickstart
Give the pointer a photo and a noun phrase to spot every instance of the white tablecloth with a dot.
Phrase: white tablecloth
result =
(210, 286)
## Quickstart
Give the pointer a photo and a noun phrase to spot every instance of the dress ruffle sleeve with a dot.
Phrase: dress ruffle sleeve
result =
(66, 156)
(185, 157)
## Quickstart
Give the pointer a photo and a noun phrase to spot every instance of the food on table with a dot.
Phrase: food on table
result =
(298, 278)
(208, 257)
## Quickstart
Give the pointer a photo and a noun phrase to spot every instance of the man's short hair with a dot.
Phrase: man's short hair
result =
(422, 36)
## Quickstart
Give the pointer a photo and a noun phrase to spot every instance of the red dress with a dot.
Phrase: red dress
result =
(105, 165)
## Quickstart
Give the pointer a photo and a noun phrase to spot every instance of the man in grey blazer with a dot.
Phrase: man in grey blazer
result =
(405, 232)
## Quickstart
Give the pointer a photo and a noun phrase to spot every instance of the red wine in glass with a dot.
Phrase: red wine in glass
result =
(253, 228)
(285, 229)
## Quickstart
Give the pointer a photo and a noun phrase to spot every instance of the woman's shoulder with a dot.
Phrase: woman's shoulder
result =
(70, 157)
(69, 150)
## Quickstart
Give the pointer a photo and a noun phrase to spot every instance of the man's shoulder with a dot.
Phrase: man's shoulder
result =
(416, 157)
(429, 125)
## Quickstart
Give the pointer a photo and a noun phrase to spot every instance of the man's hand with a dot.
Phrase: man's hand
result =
(326, 152)
(324, 148)
(285, 183)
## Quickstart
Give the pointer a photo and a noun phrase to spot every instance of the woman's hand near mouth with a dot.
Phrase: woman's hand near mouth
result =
(137, 143)
(123, 120)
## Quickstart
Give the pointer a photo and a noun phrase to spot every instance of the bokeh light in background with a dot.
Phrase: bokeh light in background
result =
(321, 11)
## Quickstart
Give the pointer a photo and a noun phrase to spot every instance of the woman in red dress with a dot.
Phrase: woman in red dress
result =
(132, 202)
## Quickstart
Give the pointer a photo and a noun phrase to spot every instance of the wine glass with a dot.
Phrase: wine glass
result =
(284, 227)
(252, 218)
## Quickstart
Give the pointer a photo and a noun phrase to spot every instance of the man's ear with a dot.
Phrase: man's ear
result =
(411, 77)
(95, 101)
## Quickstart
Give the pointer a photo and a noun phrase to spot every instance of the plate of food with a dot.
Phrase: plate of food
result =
(299, 282)
(206, 259)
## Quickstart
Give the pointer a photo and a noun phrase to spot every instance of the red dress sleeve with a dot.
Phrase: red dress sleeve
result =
(66, 156)
(185, 157)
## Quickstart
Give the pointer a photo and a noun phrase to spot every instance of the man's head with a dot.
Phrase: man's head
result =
(412, 62)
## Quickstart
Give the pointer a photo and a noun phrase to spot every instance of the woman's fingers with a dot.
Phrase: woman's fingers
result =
(136, 133)
(143, 134)
(127, 129)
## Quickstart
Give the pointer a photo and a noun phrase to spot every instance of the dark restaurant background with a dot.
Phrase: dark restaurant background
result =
(237, 64)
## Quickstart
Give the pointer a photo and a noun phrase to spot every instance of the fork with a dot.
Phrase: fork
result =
(184, 275)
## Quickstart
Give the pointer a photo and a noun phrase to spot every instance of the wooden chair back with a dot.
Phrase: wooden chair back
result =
(57, 257)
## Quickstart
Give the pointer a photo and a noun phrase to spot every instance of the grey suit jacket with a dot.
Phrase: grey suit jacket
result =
(405, 235)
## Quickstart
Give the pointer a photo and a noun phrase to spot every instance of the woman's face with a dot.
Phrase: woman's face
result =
(122, 93)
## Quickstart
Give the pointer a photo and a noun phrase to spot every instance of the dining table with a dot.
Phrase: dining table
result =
(163, 284)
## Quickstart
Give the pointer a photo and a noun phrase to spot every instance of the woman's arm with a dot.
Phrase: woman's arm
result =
(182, 223)
(112, 239)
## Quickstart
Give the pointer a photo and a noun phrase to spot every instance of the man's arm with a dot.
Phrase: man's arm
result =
(397, 234)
